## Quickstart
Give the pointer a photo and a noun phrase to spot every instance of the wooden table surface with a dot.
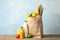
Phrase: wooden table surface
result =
(46, 38)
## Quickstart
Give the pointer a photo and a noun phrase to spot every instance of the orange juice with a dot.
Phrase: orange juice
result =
(21, 32)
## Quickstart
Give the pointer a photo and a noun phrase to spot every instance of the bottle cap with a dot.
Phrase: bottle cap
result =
(25, 21)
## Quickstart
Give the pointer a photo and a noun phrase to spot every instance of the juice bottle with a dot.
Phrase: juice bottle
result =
(21, 32)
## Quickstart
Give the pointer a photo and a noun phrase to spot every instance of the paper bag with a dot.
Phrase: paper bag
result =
(35, 26)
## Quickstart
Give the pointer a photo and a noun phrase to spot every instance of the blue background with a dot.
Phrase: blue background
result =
(12, 15)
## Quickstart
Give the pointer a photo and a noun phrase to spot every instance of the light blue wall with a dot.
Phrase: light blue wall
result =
(51, 16)
(12, 15)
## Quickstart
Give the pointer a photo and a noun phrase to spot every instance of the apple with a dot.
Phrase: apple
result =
(17, 36)
(29, 36)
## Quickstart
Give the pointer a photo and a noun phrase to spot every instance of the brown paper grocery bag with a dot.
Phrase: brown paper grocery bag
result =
(35, 26)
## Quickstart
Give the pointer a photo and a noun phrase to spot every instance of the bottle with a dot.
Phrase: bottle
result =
(21, 32)
(41, 10)
(25, 26)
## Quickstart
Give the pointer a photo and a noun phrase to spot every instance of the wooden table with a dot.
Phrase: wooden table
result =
(46, 38)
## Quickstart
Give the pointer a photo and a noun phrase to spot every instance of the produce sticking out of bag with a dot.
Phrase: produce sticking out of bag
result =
(31, 15)
(34, 14)
(38, 11)
(27, 15)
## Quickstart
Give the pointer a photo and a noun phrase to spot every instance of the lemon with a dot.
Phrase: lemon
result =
(34, 14)
(27, 15)
(18, 32)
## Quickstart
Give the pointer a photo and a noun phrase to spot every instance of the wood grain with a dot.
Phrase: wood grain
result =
(47, 37)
